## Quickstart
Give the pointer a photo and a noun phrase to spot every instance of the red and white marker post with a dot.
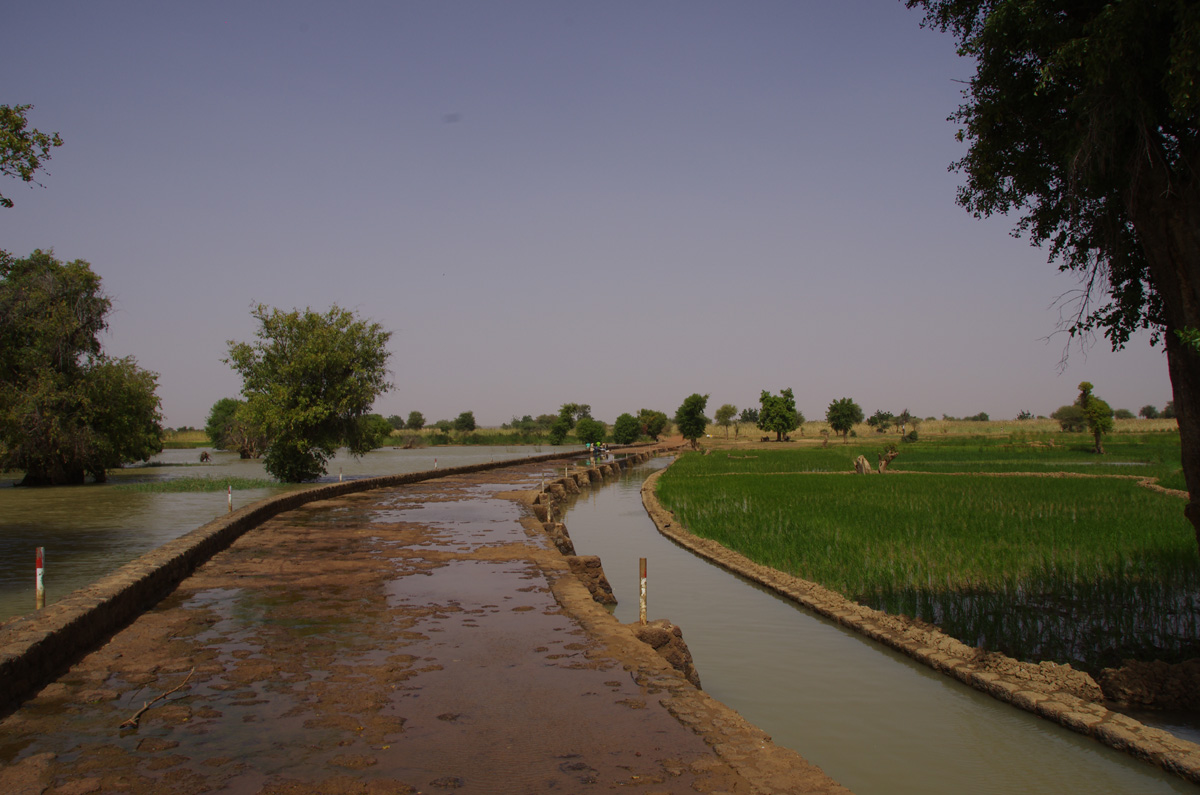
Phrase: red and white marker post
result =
(41, 567)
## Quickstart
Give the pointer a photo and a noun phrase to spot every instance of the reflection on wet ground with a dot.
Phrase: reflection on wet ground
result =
(392, 641)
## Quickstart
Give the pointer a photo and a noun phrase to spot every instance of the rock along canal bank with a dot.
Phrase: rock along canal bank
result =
(422, 636)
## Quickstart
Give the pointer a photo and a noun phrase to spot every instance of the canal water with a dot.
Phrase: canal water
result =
(876, 721)
(89, 531)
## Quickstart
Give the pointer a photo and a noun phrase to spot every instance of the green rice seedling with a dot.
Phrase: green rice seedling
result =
(1070, 569)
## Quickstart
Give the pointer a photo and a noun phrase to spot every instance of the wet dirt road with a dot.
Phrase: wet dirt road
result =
(424, 638)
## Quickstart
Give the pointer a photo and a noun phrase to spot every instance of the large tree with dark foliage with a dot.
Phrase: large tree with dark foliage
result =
(1082, 118)
(66, 409)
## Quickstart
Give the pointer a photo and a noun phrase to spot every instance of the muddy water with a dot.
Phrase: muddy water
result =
(871, 718)
(88, 531)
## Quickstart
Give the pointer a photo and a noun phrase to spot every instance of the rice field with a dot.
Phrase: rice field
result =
(1088, 571)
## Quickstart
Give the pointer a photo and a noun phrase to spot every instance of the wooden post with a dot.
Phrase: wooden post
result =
(41, 567)
(231, 498)
(642, 590)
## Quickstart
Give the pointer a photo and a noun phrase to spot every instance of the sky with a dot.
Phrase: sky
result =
(615, 203)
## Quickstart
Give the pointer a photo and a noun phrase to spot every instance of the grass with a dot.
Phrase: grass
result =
(197, 484)
(1081, 570)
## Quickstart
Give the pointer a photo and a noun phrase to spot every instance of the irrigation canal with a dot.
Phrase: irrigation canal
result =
(873, 719)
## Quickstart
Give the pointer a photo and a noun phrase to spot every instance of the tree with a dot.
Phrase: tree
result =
(22, 152)
(66, 409)
(396, 422)
(590, 431)
(1024, 415)
(626, 429)
(416, 421)
(465, 422)
(1096, 413)
(690, 419)
(1149, 412)
(574, 412)
(725, 415)
(559, 430)
(1124, 414)
(777, 413)
(904, 418)
(444, 426)
(750, 416)
(653, 422)
(229, 428)
(373, 431)
(307, 380)
(881, 420)
(1070, 418)
(842, 415)
(1168, 412)
(1084, 117)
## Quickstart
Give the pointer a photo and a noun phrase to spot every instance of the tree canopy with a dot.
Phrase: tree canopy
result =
(590, 431)
(777, 413)
(229, 427)
(66, 409)
(725, 416)
(842, 415)
(1084, 119)
(653, 422)
(1096, 413)
(626, 429)
(23, 153)
(308, 379)
(690, 419)
(465, 422)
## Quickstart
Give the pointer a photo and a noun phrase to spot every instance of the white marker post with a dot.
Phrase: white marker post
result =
(231, 498)
(642, 590)
(41, 588)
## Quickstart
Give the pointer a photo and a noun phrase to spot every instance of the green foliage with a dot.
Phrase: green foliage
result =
(1168, 412)
(66, 410)
(416, 421)
(777, 413)
(308, 379)
(653, 422)
(842, 415)
(881, 420)
(1025, 415)
(749, 415)
(1070, 418)
(574, 412)
(444, 426)
(725, 415)
(228, 428)
(396, 422)
(22, 152)
(1149, 412)
(1104, 564)
(544, 422)
(465, 422)
(590, 431)
(1124, 414)
(690, 419)
(1096, 413)
(559, 430)
(626, 429)
(373, 431)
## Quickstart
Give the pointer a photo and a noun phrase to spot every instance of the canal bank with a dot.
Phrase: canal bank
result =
(415, 637)
(819, 687)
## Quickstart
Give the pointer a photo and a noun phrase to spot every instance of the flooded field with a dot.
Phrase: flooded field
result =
(88, 531)
(873, 719)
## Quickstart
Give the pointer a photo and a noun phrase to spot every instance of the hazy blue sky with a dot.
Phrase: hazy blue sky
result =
(615, 203)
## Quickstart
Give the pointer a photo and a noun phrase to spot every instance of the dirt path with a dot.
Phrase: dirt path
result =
(425, 638)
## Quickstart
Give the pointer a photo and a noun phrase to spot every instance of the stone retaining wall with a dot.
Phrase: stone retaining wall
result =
(35, 649)
(1056, 692)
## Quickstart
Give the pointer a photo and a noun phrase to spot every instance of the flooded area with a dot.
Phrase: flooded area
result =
(410, 639)
(90, 530)
(873, 719)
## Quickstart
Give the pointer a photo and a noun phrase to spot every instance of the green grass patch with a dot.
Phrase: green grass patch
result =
(173, 485)
(1081, 570)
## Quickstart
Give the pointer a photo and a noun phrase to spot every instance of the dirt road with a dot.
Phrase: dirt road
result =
(423, 638)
